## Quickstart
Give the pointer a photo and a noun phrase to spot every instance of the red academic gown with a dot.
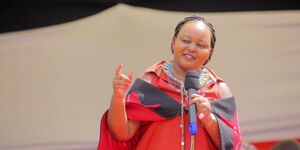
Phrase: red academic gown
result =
(157, 105)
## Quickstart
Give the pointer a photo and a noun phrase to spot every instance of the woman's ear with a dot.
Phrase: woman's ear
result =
(172, 44)
(209, 56)
(211, 52)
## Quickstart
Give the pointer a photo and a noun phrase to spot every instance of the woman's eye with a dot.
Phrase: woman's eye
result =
(200, 45)
(185, 41)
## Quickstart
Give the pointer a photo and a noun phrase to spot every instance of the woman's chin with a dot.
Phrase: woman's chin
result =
(187, 67)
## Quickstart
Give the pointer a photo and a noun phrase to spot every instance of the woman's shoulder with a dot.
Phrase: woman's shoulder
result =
(211, 74)
(156, 67)
(212, 79)
(153, 70)
(224, 90)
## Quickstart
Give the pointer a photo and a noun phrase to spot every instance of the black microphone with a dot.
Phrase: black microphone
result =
(191, 84)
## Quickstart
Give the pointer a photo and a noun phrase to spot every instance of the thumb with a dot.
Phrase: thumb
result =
(130, 76)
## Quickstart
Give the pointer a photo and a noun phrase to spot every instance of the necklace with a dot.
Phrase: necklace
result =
(182, 117)
(167, 69)
(174, 82)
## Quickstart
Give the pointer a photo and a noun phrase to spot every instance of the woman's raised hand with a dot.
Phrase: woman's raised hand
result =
(121, 82)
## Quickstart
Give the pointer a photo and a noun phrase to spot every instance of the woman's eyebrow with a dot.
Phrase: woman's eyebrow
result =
(203, 42)
(186, 36)
(200, 42)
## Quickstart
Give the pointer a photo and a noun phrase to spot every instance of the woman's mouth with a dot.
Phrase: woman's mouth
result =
(188, 57)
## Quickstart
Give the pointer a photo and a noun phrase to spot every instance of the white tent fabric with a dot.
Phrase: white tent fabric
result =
(55, 82)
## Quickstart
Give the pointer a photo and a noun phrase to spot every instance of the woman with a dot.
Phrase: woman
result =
(152, 116)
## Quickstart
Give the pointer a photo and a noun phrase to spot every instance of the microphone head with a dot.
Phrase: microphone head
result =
(191, 80)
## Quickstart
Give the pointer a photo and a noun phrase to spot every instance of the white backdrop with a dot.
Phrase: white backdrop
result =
(55, 82)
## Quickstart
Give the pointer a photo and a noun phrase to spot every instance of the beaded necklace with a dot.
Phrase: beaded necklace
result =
(177, 84)
(202, 78)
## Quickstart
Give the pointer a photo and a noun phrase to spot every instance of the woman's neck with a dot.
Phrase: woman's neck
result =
(178, 72)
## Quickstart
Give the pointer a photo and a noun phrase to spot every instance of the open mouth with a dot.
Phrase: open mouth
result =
(189, 57)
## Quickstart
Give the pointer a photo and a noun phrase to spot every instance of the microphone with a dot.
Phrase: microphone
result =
(191, 84)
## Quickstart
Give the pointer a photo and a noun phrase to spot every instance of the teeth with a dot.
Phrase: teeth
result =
(188, 56)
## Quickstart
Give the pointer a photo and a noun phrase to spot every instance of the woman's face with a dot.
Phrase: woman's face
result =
(192, 46)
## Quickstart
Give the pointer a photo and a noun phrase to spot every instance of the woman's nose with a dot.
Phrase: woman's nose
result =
(192, 47)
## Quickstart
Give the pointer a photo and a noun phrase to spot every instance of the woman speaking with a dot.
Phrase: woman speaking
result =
(151, 113)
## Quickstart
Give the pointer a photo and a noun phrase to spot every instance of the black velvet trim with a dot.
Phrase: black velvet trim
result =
(150, 96)
(225, 106)
(225, 135)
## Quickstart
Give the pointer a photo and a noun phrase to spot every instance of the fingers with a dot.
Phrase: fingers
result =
(202, 104)
(122, 78)
(196, 99)
(130, 76)
(121, 82)
(119, 69)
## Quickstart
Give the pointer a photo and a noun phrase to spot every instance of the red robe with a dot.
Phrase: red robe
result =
(157, 105)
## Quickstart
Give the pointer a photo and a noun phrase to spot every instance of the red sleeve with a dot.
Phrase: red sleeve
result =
(225, 111)
(107, 141)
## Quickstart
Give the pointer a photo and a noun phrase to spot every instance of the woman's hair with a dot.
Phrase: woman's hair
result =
(211, 27)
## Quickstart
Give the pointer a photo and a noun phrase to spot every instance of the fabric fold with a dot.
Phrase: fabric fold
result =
(149, 104)
(225, 111)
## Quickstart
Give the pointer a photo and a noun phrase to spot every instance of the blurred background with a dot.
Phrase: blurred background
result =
(57, 61)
